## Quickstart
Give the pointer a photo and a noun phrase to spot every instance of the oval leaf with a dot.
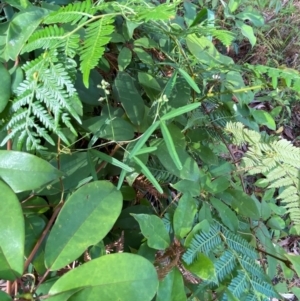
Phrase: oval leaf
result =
(122, 277)
(130, 98)
(84, 220)
(5, 87)
(184, 215)
(23, 171)
(153, 229)
(12, 238)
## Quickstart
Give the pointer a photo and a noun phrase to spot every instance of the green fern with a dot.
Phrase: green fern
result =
(46, 94)
(236, 262)
(277, 159)
(97, 36)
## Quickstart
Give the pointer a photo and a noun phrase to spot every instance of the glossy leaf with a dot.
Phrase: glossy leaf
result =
(123, 277)
(87, 216)
(12, 236)
(22, 171)
(170, 145)
(142, 140)
(205, 52)
(227, 216)
(130, 98)
(264, 118)
(244, 204)
(153, 229)
(145, 171)
(21, 28)
(247, 32)
(4, 296)
(189, 80)
(171, 288)
(179, 111)
(203, 268)
(5, 87)
(124, 58)
(111, 160)
(183, 219)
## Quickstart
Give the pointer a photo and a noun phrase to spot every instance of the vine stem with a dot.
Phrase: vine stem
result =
(42, 237)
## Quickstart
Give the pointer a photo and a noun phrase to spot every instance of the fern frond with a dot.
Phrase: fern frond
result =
(238, 285)
(263, 287)
(97, 36)
(239, 245)
(44, 38)
(72, 13)
(251, 267)
(225, 265)
(161, 12)
(203, 242)
(224, 36)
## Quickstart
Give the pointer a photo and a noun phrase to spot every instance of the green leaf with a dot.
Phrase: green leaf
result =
(227, 216)
(142, 140)
(12, 238)
(145, 171)
(203, 268)
(110, 160)
(187, 186)
(276, 222)
(295, 260)
(170, 145)
(4, 296)
(254, 17)
(21, 28)
(124, 58)
(34, 226)
(264, 118)
(189, 80)
(247, 31)
(205, 52)
(190, 169)
(153, 229)
(150, 85)
(5, 87)
(144, 56)
(179, 111)
(183, 219)
(233, 5)
(87, 216)
(243, 204)
(123, 277)
(98, 34)
(115, 128)
(171, 288)
(130, 98)
(23, 171)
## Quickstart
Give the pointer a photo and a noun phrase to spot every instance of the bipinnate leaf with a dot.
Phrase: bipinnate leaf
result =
(121, 276)
(12, 238)
(5, 87)
(87, 216)
(171, 288)
(184, 216)
(153, 229)
(97, 36)
(22, 171)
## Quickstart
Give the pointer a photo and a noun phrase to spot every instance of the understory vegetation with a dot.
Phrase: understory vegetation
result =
(149, 150)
